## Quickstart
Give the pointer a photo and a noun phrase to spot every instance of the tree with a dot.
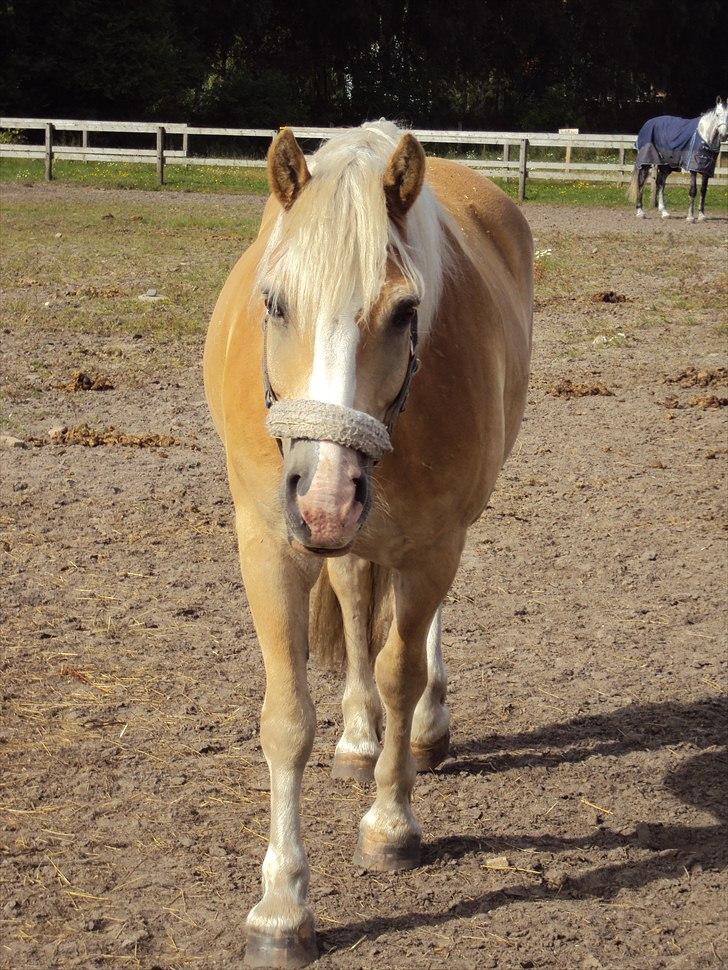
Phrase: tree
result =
(533, 64)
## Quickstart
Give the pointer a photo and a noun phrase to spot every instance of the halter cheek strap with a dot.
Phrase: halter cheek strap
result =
(320, 421)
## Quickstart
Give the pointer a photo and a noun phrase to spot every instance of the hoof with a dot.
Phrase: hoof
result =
(351, 767)
(283, 951)
(640, 213)
(701, 217)
(387, 857)
(690, 219)
(427, 758)
(665, 214)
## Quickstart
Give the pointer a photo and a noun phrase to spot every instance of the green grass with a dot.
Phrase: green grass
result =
(252, 181)
(540, 153)
(607, 194)
(83, 264)
(80, 263)
(125, 175)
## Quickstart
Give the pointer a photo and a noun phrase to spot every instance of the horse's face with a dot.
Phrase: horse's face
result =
(352, 358)
(721, 119)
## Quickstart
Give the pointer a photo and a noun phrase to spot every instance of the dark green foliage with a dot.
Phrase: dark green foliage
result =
(530, 64)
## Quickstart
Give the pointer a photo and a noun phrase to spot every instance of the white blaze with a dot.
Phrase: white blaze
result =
(333, 376)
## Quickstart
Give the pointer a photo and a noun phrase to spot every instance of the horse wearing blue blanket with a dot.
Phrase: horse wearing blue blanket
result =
(672, 144)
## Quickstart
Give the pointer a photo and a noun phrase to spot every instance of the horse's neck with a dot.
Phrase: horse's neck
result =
(708, 128)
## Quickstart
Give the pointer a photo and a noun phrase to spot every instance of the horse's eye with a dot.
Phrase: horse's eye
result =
(404, 317)
(274, 307)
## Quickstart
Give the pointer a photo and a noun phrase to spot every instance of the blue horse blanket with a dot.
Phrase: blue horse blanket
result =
(675, 142)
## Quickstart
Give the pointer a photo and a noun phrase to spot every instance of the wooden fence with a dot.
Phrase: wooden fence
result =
(171, 144)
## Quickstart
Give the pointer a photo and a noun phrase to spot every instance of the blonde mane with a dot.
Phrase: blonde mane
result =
(328, 254)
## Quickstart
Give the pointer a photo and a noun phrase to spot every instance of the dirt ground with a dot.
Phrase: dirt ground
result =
(580, 821)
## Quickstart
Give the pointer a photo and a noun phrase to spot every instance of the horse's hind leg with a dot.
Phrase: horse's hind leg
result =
(431, 721)
(359, 746)
(662, 173)
(704, 179)
(692, 192)
(641, 179)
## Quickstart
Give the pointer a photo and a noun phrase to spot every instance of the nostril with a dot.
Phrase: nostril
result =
(292, 483)
(360, 489)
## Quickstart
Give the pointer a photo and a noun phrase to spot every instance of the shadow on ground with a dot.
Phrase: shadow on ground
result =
(700, 781)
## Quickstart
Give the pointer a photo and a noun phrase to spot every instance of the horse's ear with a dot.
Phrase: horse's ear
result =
(404, 175)
(287, 169)
(718, 102)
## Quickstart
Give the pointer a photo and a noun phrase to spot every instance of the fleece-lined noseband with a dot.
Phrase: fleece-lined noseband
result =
(300, 418)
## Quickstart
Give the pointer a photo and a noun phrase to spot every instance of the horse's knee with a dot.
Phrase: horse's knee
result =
(287, 729)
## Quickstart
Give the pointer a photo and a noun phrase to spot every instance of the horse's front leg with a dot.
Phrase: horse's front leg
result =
(280, 928)
(389, 835)
(703, 190)
(692, 192)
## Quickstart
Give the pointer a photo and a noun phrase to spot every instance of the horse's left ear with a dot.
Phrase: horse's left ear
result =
(403, 176)
(287, 169)
(719, 102)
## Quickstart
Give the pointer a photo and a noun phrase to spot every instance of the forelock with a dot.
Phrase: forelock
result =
(328, 254)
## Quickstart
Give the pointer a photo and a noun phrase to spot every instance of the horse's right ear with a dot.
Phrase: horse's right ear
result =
(287, 169)
(719, 102)
(403, 176)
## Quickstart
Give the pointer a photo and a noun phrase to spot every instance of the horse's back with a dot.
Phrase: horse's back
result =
(485, 215)
(472, 388)
(667, 132)
(500, 246)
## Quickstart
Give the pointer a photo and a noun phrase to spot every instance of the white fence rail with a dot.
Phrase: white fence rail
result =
(70, 140)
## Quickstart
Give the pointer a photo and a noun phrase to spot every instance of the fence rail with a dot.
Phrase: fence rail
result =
(56, 134)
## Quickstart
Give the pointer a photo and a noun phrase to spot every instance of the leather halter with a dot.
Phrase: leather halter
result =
(394, 409)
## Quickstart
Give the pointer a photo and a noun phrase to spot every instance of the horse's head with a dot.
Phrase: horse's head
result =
(721, 119)
(342, 286)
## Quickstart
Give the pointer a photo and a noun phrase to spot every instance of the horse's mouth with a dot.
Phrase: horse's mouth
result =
(322, 550)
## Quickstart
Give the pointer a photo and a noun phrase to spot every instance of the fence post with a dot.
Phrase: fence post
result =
(522, 170)
(506, 156)
(185, 143)
(160, 154)
(621, 158)
(567, 154)
(48, 152)
(84, 138)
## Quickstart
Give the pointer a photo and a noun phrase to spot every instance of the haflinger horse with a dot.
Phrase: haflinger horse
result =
(351, 512)
(671, 144)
